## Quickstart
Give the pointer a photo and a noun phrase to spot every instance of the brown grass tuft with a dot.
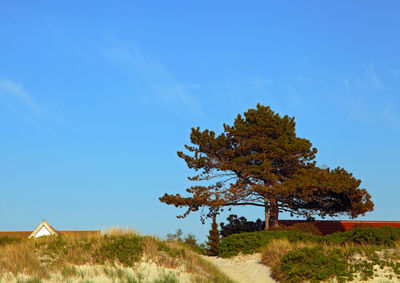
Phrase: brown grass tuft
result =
(19, 257)
(273, 253)
(117, 231)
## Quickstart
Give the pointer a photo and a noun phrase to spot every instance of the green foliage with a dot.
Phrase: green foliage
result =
(177, 236)
(6, 240)
(29, 280)
(68, 271)
(213, 238)
(323, 263)
(126, 249)
(167, 278)
(237, 225)
(259, 160)
(54, 246)
(385, 235)
(172, 251)
(248, 243)
(314, 265)
(189, 240)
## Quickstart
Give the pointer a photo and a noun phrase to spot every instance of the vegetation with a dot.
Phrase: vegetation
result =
(213, 238)
(8, 240)
(115, 256)
(248, 243)
(237, 225)
(260, 161)
(189, 240)
(357, 254)
(298, 262)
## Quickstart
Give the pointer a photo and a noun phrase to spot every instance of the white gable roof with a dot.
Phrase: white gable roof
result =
(44, 229)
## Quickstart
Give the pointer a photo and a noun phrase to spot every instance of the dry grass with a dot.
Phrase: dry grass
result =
(62, 258)
(273, 253)
(117, 231)
(19, 257)
(397, 248)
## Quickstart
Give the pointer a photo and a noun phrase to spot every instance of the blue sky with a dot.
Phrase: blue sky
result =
(96, 98)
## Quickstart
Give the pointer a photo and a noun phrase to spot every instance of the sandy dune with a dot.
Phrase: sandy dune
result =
(246, 269)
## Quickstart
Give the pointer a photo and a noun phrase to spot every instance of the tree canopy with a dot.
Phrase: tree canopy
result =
(260, 161)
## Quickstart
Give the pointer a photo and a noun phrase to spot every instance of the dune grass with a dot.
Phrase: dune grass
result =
(119, 254)
(313, 261)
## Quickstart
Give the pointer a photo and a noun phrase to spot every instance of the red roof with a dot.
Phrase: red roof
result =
(332, 226)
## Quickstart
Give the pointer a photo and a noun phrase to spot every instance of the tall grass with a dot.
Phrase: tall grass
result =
(313, 261)
(117, 252)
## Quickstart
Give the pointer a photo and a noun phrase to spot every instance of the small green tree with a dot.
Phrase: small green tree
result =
(213, 238)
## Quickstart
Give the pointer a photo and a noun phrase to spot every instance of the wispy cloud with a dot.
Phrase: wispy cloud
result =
(394, 73)
(260, 81)
(163, 88)
(14, 94)
(376, 81)
(367, 98)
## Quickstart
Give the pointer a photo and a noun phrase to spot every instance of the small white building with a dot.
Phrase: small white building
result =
(44, 229)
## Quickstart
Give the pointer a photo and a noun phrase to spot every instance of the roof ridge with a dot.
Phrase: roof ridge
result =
(47, 226)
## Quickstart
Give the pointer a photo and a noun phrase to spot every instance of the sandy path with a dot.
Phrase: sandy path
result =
(246, 269)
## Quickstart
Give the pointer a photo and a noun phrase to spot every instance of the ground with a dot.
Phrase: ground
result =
(247, 269)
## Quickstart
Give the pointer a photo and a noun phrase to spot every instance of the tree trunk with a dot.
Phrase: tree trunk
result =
(274, 211)
(266, 214)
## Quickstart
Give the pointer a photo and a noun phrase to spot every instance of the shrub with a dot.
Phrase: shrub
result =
(252, 242)
(247, 243)
(213, 238)
(189, 240)
(171, 250)
(384, 236)
(314, 264)
(177, 236)
(6, 240)
(52, 246)
(127, 249)
(237, 225)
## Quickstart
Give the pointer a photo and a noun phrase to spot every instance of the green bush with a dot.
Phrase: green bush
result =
(172, 251)
(315, 265)
(126, 249)
(385, 236)
(54, 246)
(6, 240)
(251, 242)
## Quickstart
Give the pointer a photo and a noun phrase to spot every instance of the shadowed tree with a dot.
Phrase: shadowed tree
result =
(260, 161)
(213, 238)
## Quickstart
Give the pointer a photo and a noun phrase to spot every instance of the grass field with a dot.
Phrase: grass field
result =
(116, 256)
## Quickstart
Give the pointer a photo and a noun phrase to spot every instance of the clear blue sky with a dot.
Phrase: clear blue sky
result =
(96, 97)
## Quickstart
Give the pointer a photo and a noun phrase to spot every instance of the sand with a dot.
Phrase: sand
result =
(243, 269)
(144, 271)
(246, 269)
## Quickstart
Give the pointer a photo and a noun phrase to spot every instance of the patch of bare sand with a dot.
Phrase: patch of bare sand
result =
(246, 269)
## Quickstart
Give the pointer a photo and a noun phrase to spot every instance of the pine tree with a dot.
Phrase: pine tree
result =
(260, 161)
(213, 238)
